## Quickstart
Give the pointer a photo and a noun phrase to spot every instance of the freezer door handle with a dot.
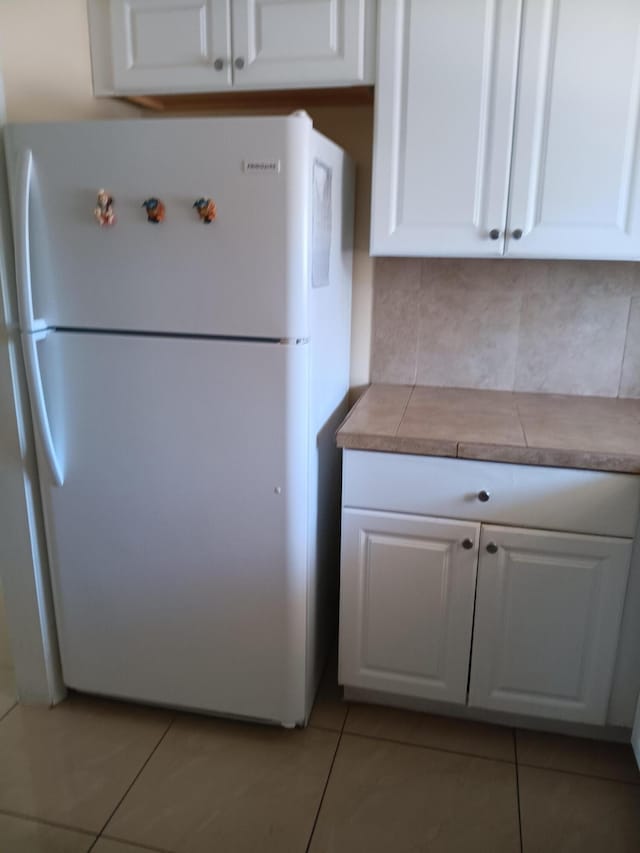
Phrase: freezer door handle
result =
(38, 404)
(28, 322)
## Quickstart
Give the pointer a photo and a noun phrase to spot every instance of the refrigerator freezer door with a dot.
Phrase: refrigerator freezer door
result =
(178, 540)
(243, 274)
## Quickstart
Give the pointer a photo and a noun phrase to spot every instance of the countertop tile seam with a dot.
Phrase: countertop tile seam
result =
(525, 437)
(406, 406)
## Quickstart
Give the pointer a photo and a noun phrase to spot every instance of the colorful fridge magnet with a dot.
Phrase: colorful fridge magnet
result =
(206, 208)
(155, 210)
(103, 211)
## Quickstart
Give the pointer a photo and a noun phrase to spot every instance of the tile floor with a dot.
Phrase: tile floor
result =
(114, 778)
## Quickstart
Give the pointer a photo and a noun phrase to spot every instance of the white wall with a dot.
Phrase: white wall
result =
(45, 62)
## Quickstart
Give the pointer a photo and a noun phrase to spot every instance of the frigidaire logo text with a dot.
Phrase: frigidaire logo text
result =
(261, 166)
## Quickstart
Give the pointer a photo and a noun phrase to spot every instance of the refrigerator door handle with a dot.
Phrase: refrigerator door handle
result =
(38, 403)
(22, 244)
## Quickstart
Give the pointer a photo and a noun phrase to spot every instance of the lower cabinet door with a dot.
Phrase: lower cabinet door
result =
(406, 603)
(548, 611)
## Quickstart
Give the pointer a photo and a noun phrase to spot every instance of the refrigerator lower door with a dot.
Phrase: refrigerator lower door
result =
(178, 539)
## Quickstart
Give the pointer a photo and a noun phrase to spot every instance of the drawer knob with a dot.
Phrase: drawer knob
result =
(492, 548)
(517, 234)
(467, 544)
(494, 233)
(484, 496)
(218, 64)
(239, 63)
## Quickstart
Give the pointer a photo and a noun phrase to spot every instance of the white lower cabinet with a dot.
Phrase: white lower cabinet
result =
(408, 585)
(502, 618)
(548, 612)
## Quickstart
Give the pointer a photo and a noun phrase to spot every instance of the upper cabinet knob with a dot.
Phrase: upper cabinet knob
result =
(492, 548)
(218, 64)
(467, 544)
(239, 63)
(517, 234)
(484, 496)
(494, 233)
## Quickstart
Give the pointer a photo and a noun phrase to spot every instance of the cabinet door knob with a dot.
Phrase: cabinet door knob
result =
(494, 233)
(517, 234)
(467, 544)
(239, 63)
(483, 496)
(492, 548)
(218, 64)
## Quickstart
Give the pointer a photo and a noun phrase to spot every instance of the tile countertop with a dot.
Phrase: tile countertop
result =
(600, 433)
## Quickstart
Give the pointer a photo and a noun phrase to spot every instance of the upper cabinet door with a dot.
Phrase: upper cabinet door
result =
(170, 45)
(574, 190)
(297, 43)
(445, 94)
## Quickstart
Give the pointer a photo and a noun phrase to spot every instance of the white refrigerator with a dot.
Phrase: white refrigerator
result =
(185, 380)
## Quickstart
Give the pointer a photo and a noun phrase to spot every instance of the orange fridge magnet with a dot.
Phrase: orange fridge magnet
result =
(206, 208)
(103, 211)
(155, 210)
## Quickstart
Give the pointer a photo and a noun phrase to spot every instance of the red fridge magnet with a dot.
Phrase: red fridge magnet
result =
(103, 211)
(206, 208)
(155, 209)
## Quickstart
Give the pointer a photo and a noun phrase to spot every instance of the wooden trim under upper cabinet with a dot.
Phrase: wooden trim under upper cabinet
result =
(256, 99)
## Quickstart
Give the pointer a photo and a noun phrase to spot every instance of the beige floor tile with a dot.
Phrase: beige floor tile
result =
(72, 764)
(578, 755)
(329, 709)
(386, 797)
(214, 785)
(447, 733)
(18, 835)
(107, 845)
(575, 814)
(8, 691)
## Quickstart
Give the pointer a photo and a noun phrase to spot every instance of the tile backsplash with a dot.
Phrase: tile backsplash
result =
(564, 327)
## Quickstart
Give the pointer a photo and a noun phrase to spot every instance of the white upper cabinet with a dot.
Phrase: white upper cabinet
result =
(443, 126)
(161, 45)
(507, 128)
(176, 46)
(302, 43)
(575, 175)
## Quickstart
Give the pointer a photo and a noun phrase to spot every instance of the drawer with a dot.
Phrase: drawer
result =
(566, 499)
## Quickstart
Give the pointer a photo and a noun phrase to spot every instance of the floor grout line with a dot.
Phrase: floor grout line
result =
(326, 784)
(52, 823)
(579, 773)
(8, 711)
(134, 780)
(431, 748)
(135, 845)
(515, 753)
